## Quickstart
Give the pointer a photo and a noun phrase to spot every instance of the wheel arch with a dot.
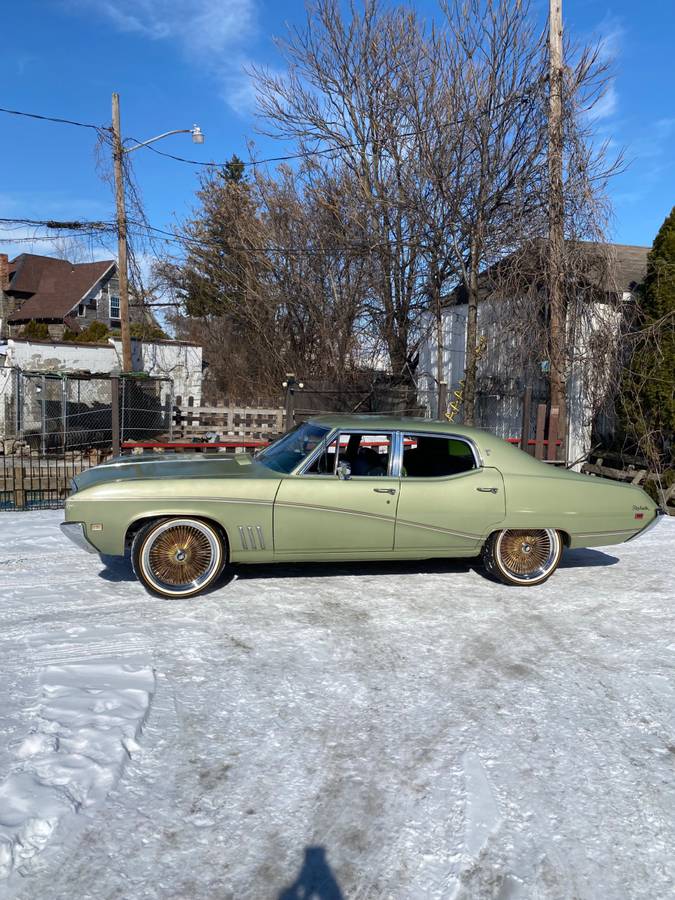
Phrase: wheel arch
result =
(565, 536)
(137, 524)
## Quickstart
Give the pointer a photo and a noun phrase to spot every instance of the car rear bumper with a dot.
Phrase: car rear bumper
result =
(657, 518)
(75, 532)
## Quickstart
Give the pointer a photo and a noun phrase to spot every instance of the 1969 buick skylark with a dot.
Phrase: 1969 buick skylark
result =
(348, 488)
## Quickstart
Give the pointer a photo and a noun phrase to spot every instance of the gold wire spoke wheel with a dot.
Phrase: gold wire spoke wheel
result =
(527, 556)
(180, 557)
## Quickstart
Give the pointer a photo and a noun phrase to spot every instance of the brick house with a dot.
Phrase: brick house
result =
(56, 292)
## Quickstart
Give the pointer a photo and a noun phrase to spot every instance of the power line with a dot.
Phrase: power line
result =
(171, 237)
(305, 154)
(72, 225)
(27, 115)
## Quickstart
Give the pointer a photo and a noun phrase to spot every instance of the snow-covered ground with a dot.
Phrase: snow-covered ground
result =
(366, 731)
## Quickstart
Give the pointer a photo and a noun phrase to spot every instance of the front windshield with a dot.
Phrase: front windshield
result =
(289, 451)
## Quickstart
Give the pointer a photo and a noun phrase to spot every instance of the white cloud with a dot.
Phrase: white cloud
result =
(610, 34)
(209, 33)
(607, 105)
(205, 25)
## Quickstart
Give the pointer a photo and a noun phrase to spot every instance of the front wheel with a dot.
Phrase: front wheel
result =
(177, 557)
(522, 556)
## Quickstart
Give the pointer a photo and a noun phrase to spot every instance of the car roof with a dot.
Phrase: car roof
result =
(399, 423)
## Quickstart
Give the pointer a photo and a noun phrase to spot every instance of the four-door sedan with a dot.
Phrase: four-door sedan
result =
(348, 488)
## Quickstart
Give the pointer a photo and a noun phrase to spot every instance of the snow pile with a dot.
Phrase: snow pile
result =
(89, 720)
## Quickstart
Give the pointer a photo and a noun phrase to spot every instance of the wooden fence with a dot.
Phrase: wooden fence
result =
(545, 444)
(632, 475)
(225, 420)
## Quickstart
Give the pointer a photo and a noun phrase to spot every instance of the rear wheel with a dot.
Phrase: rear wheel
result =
(523, 556)
(177, 557)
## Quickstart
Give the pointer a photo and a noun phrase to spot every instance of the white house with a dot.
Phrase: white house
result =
(500, 383)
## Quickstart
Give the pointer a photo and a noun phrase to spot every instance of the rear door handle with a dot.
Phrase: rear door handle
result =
(488, 490)
(385, 490)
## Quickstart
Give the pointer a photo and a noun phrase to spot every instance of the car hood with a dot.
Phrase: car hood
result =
(187, 465)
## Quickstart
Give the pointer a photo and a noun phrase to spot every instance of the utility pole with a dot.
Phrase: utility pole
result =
(556, 228)
(122, 269)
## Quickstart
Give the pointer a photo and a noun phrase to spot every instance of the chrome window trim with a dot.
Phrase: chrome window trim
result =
(309, 460)
(395, 436)
(447, 436)
(304, 462)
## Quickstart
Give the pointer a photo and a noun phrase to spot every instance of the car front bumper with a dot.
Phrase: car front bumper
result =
(75, 532)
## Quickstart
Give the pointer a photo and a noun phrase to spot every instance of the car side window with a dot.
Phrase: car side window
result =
(366, 455)
(325, 462)
(434, 456)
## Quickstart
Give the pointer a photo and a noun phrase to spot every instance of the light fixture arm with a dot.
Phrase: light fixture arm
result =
(195, 131)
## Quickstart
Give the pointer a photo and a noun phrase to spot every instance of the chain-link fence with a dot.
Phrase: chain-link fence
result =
(60, 413)
(54, 426)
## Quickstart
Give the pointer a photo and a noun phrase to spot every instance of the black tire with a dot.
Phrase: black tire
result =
(178, 557)
(523, 557)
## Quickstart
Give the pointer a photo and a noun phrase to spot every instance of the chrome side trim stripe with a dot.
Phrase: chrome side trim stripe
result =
(289, 504)
(583, 534)
(192, 499)
(353, 512)
(463, 534)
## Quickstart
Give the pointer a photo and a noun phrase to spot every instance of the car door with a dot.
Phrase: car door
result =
(318, 514)
(447, 500)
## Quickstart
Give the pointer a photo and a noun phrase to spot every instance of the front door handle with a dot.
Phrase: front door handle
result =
(385, 490)
(488, 490)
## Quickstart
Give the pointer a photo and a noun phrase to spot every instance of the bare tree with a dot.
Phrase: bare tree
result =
(347, 91)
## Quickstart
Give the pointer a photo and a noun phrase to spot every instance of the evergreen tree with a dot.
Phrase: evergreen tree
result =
(37, 331)
(648, 395)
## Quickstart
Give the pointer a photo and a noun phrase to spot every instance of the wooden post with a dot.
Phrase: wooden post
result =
(43, 415)
(539, 435)
(525, 427)
(556, 212)
(115, 414)
(64, 413)
(552, 433)
(120, 204)
(442, 398)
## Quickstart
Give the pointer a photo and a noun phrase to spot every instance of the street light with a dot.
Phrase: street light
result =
(119, 151)
(195, 131)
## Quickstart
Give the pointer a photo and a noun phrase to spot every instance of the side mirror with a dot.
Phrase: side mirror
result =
(344, 471)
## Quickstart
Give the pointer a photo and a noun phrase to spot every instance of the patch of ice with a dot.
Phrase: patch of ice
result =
(89, 722)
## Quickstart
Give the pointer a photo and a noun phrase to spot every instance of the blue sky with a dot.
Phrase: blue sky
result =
(179, 62)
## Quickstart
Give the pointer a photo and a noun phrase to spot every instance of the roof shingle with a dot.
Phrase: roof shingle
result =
(52, 287)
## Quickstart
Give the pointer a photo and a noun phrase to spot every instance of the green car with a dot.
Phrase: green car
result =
(348, 488)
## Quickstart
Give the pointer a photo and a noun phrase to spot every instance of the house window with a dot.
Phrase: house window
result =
(114, 306)
(81, 311)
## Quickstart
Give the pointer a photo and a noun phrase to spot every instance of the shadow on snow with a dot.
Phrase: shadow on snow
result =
(117, 569)
(315, 880)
